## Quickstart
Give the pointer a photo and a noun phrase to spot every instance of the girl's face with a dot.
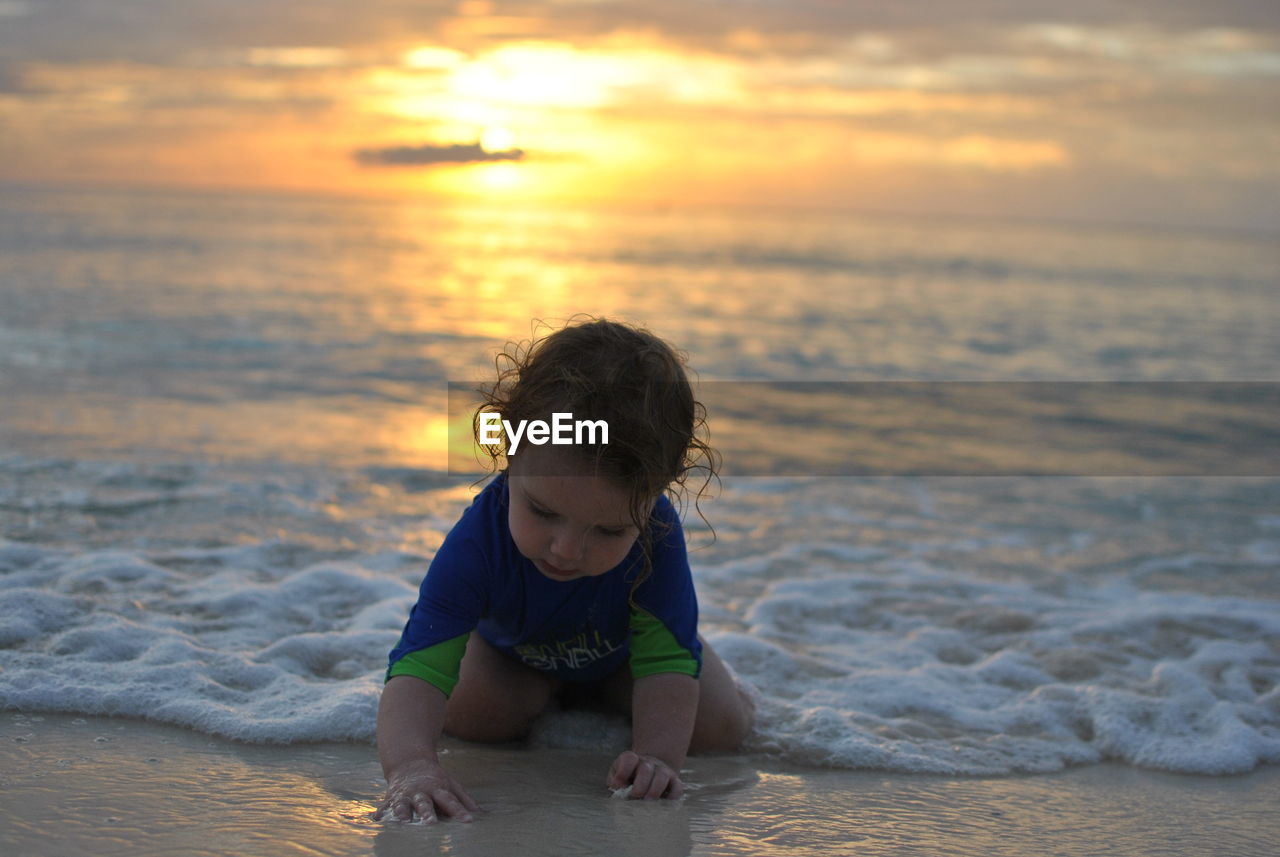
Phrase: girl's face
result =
(569, 526)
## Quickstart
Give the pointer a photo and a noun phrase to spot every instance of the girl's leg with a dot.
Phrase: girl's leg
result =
(725, 712)
(496, 698)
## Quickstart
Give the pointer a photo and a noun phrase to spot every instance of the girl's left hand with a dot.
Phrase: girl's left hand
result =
(648, 776)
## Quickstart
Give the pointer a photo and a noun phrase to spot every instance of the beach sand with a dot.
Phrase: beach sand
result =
(81, 785)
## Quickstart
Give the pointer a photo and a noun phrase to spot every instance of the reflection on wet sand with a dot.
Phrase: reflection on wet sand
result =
(77, 785)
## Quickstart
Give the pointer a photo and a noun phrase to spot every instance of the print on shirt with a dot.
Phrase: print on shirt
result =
(575, 653)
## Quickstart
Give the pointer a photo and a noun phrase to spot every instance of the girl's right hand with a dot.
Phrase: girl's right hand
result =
(422, 787)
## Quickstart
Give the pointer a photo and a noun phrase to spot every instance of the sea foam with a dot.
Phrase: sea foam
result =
(920, 670)
(220, 642)
(868, 663)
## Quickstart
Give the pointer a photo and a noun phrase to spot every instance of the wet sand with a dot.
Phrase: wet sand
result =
(77, 785)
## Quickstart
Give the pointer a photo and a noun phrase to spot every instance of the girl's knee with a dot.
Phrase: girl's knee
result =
(496, 699)
(725, 711)
(725, 728)
(493, 718)
(495, 727)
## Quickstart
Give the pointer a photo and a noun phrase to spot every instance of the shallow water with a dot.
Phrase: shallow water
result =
(97, 786)
(222, 470)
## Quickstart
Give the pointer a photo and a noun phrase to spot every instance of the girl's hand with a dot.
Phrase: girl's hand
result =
(648, 776)
(422, 787)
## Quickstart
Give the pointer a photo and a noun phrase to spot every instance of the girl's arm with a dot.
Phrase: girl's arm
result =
(663, 710)
(410, 720)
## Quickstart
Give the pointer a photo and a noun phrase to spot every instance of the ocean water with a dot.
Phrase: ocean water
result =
(223, 472)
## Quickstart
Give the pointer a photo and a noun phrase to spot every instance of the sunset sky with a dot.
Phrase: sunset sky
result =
(1154, 111)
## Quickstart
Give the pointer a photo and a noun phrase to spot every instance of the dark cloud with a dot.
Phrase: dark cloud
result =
(13, 81)
(163, 31)
(433, 155)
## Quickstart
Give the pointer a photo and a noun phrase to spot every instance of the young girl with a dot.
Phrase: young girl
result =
(566, 576)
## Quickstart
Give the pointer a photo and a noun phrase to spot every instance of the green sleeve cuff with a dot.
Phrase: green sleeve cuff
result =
(437, 665)
(654, 649)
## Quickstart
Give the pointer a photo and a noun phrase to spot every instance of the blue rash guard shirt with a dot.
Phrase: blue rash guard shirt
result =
(577, 630)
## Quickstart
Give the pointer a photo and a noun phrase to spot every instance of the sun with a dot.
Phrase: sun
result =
(497, 139)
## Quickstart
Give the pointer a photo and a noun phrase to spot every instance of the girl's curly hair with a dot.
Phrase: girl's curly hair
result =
(597, 369)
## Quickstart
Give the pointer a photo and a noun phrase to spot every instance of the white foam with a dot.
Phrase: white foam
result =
(894, 640)
(293, 659)
(927, 672)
